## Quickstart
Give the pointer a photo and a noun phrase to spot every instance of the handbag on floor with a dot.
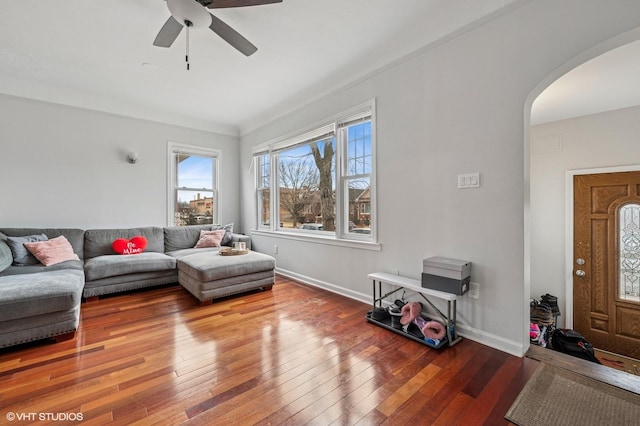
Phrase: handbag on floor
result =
(573, 343)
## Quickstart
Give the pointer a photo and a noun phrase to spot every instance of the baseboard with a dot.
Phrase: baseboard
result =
(360, 297)
(505, 345)
(496, 342)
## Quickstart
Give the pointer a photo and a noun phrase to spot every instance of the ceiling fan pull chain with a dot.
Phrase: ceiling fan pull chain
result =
(187, 52)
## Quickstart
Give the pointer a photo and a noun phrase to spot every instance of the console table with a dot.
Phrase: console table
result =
(401, 283)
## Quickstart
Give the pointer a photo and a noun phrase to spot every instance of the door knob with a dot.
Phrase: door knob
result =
(580, 261)
(580, 273)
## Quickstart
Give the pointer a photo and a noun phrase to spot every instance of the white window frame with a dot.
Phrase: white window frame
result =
(259, 187)
(345, 177)
(342, 235)
(175, 148)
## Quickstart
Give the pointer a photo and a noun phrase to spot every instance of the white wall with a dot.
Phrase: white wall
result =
(601, 140)
(456, 107)
(66, 167)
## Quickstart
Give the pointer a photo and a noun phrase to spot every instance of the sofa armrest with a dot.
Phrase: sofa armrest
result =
(239, 238)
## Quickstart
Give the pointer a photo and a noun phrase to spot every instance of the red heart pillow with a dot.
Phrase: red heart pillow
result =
(135, 245)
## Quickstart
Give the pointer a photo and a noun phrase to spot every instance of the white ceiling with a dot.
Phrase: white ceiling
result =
(608, 82)
(99, 54)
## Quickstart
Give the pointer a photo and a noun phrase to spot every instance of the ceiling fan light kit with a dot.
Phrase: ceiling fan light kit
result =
(194, 13)
(189, 11)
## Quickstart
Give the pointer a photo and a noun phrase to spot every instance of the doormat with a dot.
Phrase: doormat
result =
(619, 362)
(555, 396)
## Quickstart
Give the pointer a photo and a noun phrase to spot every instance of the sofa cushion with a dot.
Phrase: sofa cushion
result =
(74, 235)
(208, 266)
(21, 255)
(6, 258)
(113, 265)
(27, 295)
(182, 237)
(77, 265)
(179, 254)
(98, 242)
(50, 252)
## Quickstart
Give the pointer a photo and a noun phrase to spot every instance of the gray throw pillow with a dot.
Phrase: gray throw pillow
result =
(21, 255)
(6, 258)
(228, 235)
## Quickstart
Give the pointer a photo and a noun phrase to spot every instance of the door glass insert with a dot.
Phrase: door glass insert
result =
(629, 252)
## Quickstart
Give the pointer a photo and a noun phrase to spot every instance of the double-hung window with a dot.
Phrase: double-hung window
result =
(321, 181)
(357, 174)
(263, 192)
(193, 185)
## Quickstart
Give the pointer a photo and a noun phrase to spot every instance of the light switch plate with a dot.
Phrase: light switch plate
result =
(469, 180)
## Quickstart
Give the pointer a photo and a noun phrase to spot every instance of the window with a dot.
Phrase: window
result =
(306, 189)
(193, 193)
(629, 252)
(322, 179)
(263, 166)
(356, 134)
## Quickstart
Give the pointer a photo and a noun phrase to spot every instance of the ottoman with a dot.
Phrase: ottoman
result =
(209, 275)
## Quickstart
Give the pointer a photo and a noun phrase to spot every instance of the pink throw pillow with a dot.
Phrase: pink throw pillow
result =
(52, 251)
(210, 238)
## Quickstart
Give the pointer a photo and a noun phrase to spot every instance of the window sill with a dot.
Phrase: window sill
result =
(319, 239)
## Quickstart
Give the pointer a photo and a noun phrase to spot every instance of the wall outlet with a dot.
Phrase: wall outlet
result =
(474, 290)
(275, 249)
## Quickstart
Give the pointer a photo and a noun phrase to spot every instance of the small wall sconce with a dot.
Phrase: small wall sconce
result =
(132, 157)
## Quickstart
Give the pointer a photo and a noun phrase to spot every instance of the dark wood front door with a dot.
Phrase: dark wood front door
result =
(606, 262)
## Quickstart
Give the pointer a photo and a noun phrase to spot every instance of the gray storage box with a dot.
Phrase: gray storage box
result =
(446, 274)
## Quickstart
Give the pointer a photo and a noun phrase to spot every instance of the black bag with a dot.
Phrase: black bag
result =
(572, 343)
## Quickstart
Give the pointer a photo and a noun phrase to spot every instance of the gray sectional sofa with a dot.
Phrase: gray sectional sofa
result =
(38, 301)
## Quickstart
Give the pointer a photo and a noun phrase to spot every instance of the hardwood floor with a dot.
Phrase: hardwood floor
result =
(293, 355)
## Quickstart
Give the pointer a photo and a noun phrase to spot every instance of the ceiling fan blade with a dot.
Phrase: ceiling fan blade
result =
(219, 4)
(168, 33)
(232, 37)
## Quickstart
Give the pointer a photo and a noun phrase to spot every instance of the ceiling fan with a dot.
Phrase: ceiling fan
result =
(194, 13)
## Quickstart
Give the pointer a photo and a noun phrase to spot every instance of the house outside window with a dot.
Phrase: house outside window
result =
(322, 179)
(193, 192)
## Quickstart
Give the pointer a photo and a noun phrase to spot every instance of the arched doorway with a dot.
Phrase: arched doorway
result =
(549, 164)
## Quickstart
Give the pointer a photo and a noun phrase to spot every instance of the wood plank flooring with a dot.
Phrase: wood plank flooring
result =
(294, 355)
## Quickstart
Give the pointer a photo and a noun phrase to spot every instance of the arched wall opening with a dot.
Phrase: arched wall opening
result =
(538, 143)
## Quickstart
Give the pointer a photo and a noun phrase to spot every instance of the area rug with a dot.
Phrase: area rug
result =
(555, 396)
(619, 362)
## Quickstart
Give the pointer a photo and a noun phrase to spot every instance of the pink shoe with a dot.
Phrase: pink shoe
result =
(434, 330)
(410, 311)
(534, 331)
